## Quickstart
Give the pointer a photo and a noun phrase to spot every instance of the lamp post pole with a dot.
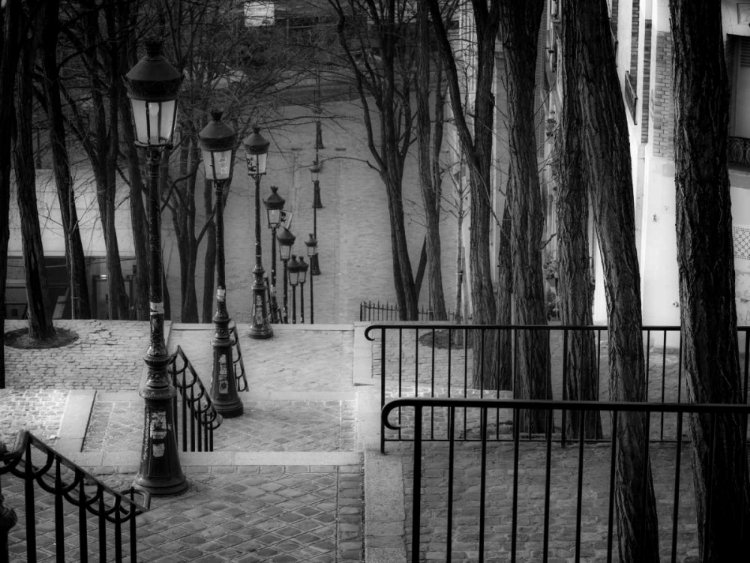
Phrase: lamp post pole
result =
(294, 271)
(217, 142)
(275, 211)
(302, 277)
(286, 241)
(312, 253)
(153, 86)
(315, 173)
(256, 148)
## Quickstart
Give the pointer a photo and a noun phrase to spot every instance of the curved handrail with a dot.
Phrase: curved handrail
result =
(538, 404)
(200, 404)
(21, 454)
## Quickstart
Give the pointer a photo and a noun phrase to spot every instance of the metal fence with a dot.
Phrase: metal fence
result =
(533, 503)
(377, 311)
(429, 360)
(239, 365)
(197, 417)
(104, 516)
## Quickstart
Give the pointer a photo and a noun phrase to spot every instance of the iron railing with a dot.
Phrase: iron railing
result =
(103, 515)
(430, 360)
(509, 507)
(198, 428)
(631, 97)
(377, 311)
(240, 375)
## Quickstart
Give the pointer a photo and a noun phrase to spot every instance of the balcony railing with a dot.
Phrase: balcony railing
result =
(631, 98)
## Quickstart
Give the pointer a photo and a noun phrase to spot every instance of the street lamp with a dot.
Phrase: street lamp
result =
(153, 86)
(275, 212)
(256, 150)
(302, 278)
(315, 174)
(217, 142)
(286, 241)
(295, 270)
(312, 253)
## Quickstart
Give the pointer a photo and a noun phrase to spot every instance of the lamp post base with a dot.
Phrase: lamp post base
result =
(314, 265)
(160, 472)
(261, 328)
(223, 383)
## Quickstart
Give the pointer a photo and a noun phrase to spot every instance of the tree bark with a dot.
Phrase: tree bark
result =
(138, 218)
(476, 145)
(575, 285)
(520, 23)
(705, 257)
(429, 159)
(10, 40)
(40, 316)
(76, 260)
(505, 300)
(606, 146)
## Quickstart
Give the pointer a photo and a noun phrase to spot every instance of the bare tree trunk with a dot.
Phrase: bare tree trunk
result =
(10, 40)
(476, 146)
(505, 301)
(429, 160)
(520, 23)
(40, 317)
(605, 140)
(705, 257)
(76, 260)
(138, 219)
(575, 287)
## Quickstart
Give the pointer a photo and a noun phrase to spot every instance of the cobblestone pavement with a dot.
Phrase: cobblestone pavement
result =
(301, 402)
(530, 517)
(108, 356)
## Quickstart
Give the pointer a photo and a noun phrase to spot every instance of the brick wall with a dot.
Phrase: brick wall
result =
(634, 38)
(662, 106)
(646, 81)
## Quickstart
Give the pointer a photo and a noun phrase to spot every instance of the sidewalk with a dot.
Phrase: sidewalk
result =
(287, 480)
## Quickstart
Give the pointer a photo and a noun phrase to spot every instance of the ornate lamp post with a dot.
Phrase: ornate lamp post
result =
(275, 212)
(312, 253)
(153, 86)
(295, 269)
(286, 241)
(302, 278)
(217, 142)
(256, 150)
(315, 173)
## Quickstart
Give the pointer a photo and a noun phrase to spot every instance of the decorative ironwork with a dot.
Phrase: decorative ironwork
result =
(738, 151)
(85, 496)
(239, 366)
(631, 97)
(204, 418)
(741, 236)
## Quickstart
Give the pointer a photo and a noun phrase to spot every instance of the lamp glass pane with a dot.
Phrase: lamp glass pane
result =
(222, 164)
(312, 250)
(293, 277)
(285, 252)
(167, 120)
(139, 119)
(274, 218)
(261, 163)
(303, 274)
